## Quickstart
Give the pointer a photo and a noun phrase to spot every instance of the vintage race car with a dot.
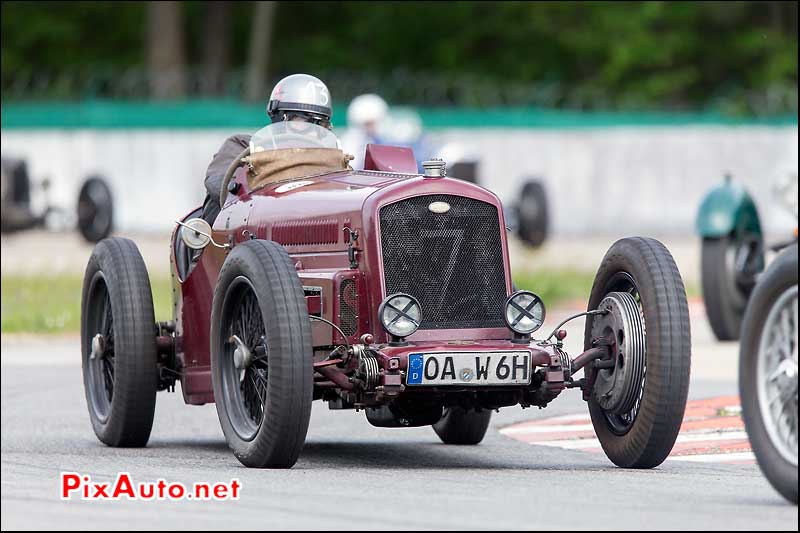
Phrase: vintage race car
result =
(734, 252)
(383, 290)
(93, 216)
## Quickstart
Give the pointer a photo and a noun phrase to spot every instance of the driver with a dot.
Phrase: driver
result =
(299, 97)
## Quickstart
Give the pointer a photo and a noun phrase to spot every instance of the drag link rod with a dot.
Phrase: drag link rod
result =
(335, 375)
(592, 354)
(328, 362)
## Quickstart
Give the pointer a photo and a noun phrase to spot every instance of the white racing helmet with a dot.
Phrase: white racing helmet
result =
(365, 110)
(300, 95)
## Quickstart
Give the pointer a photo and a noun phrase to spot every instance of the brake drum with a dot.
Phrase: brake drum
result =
(617, 389)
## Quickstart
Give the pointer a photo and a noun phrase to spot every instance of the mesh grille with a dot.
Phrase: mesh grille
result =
(348, 307)
(451, 262)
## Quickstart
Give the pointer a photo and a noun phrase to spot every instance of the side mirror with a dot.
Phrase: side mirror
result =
(195, 233)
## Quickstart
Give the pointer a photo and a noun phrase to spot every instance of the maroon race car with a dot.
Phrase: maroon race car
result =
(380, 290)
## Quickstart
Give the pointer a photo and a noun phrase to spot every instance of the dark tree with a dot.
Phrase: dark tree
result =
(166, 56)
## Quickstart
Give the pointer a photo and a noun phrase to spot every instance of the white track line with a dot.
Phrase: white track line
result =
(593, 443)
(567, 418)
(715, 457)
(544, 429)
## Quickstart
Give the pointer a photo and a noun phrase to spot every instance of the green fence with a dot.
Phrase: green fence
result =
(99, 114)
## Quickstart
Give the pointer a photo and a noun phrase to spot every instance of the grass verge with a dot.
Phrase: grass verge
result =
(557, 287)
(53, 304)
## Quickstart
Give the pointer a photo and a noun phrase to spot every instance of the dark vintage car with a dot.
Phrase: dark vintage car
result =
(94, 209)
(383, 290)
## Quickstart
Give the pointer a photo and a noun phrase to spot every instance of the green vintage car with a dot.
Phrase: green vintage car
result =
(733, 250)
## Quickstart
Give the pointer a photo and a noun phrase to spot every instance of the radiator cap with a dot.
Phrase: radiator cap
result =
(434, 168)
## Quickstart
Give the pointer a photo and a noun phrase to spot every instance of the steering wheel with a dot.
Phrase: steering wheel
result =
(223, 191)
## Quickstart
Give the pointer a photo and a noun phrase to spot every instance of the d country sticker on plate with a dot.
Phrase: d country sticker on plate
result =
(469, 368)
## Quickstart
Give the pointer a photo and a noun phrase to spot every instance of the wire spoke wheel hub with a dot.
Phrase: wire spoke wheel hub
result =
(101, 349)
(245, 370)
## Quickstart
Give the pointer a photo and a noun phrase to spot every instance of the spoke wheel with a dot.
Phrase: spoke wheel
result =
(261, 355)
(118, 344)
(245, 382)
(100, 348)
(776, 375)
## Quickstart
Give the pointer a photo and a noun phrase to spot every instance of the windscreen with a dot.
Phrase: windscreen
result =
(292, 134)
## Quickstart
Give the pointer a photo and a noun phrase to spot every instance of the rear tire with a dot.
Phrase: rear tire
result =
(121, 380)
(778, 279)
(724, 302)
(459, 426)
(645, 436)
(264, 407)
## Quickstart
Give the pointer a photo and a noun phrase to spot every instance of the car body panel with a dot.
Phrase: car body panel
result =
(727, 208)
(314, 219)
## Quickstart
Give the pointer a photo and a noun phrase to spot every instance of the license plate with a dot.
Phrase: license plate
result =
(469, 368)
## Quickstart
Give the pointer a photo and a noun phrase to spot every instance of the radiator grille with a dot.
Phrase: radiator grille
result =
(348, 307)
(451, 262)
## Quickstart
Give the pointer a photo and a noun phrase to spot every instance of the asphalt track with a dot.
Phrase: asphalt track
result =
(351, 475)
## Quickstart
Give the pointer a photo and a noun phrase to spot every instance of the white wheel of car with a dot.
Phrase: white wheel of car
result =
(768, 380)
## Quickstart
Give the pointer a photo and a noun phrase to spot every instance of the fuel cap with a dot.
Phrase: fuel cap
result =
(434, 168)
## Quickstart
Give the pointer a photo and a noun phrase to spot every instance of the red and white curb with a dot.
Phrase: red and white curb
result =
(712, 432)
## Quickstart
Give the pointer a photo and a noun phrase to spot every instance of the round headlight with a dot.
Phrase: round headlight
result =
(400, 314)
(524, 312)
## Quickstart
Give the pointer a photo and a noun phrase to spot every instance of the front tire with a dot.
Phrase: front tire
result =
(463, 427)
(95, 209)
(263, 378)
(118, 341)
(644, 436)
(769, 347)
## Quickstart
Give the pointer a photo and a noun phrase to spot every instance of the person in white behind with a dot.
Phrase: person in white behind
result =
(364, 117)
